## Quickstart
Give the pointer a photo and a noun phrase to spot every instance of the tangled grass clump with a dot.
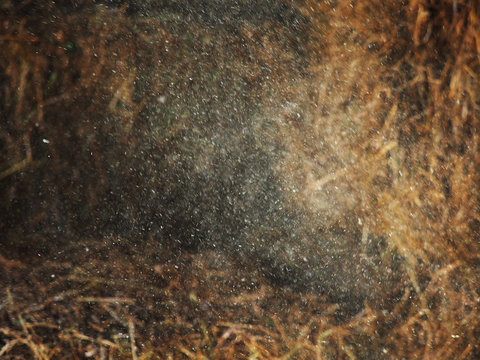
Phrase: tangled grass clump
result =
(385, 143)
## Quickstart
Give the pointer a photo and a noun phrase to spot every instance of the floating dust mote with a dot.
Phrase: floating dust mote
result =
(356, 143)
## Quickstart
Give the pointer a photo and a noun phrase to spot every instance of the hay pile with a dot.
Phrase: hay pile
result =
(388, 106)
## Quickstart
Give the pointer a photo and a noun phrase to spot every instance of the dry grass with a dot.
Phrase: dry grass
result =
(397, 82)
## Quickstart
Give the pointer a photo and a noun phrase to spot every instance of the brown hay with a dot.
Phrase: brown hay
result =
(398, 81)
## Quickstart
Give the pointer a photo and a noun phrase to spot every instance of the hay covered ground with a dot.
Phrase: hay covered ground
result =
(379, 133)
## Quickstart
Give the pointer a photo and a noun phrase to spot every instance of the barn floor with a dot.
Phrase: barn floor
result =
(103, 300)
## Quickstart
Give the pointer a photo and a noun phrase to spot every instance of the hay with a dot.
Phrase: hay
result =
(388, 127)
